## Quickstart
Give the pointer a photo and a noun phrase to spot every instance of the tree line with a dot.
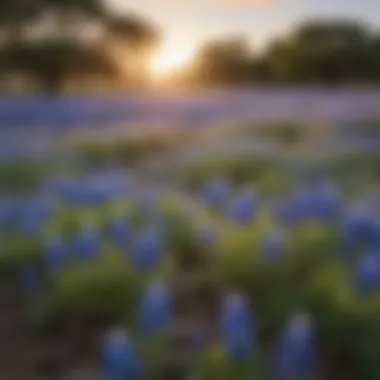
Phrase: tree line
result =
(323, 52)
(52, 41)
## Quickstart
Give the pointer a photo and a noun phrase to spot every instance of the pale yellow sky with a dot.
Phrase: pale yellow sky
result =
(186, 24)
(192, 21)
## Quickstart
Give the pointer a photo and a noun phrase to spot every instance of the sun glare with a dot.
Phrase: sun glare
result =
(171, 58)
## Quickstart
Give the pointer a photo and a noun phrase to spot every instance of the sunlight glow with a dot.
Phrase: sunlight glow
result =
(172, 57)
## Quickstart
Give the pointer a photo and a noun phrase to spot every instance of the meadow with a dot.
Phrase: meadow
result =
(250, 251)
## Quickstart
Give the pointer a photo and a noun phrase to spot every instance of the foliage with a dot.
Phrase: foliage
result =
(50, 62)
(317, 51)
(66, 53)
(214, 363)
(18, 177)
(17, 249)
(236, 167)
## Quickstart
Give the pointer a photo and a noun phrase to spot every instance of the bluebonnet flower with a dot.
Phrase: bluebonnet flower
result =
(119, 183)
(8, 213)
(295, 355)
(55, 185)
(243, 208)
(295, 209)
(155, 311)
(287, 212)
(376, 235)
(302, 203)
(56, 253)
(79, 195)
(67, 189)
(40, 208)
(326, 203)
(87, 243)
(358, 227)
(368, 273)
(274, 245)
(33, 216)
(84, 191)
(216, 193)
(237, 327)
(121, 232)
(120, 359)
(92, 190)
(95, 194)
(148, 250)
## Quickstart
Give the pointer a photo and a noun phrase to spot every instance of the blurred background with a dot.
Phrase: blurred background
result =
(58, 47)
(189, 190)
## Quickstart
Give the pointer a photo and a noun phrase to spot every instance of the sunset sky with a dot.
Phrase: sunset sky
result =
(186, 24)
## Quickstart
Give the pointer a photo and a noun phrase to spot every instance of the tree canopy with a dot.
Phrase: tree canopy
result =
(319, 51)
(83, 38)
(62, 48)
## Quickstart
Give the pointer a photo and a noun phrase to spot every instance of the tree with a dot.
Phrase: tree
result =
(134, 41)
(133, 27)
(65, 51)
(224, 61)
(323, 51)
(14, 14)
(50, 62)
(316, 52)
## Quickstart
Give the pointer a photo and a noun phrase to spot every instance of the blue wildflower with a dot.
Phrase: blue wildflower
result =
(295, 354)
(56, 253)
(155, 311)
(148, 249)
(87, 243)
(119, 184)
(8, 213)
(357, 228)
(120, 358)
(243, 208)
(121, 232)
(368, 273)
(287, 213)
(96, 196)
(69, 190)
(216, 193)
(376, 235)
(303, 203)
(326, 203)
(33, 216)
(237, 327)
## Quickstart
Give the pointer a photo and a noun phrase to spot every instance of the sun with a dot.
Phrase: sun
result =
(171, 58)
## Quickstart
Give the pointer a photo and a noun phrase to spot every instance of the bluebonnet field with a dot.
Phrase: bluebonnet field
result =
(21, 115)
(238, 264)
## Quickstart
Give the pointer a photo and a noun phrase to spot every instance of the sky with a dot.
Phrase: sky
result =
(186, 24)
